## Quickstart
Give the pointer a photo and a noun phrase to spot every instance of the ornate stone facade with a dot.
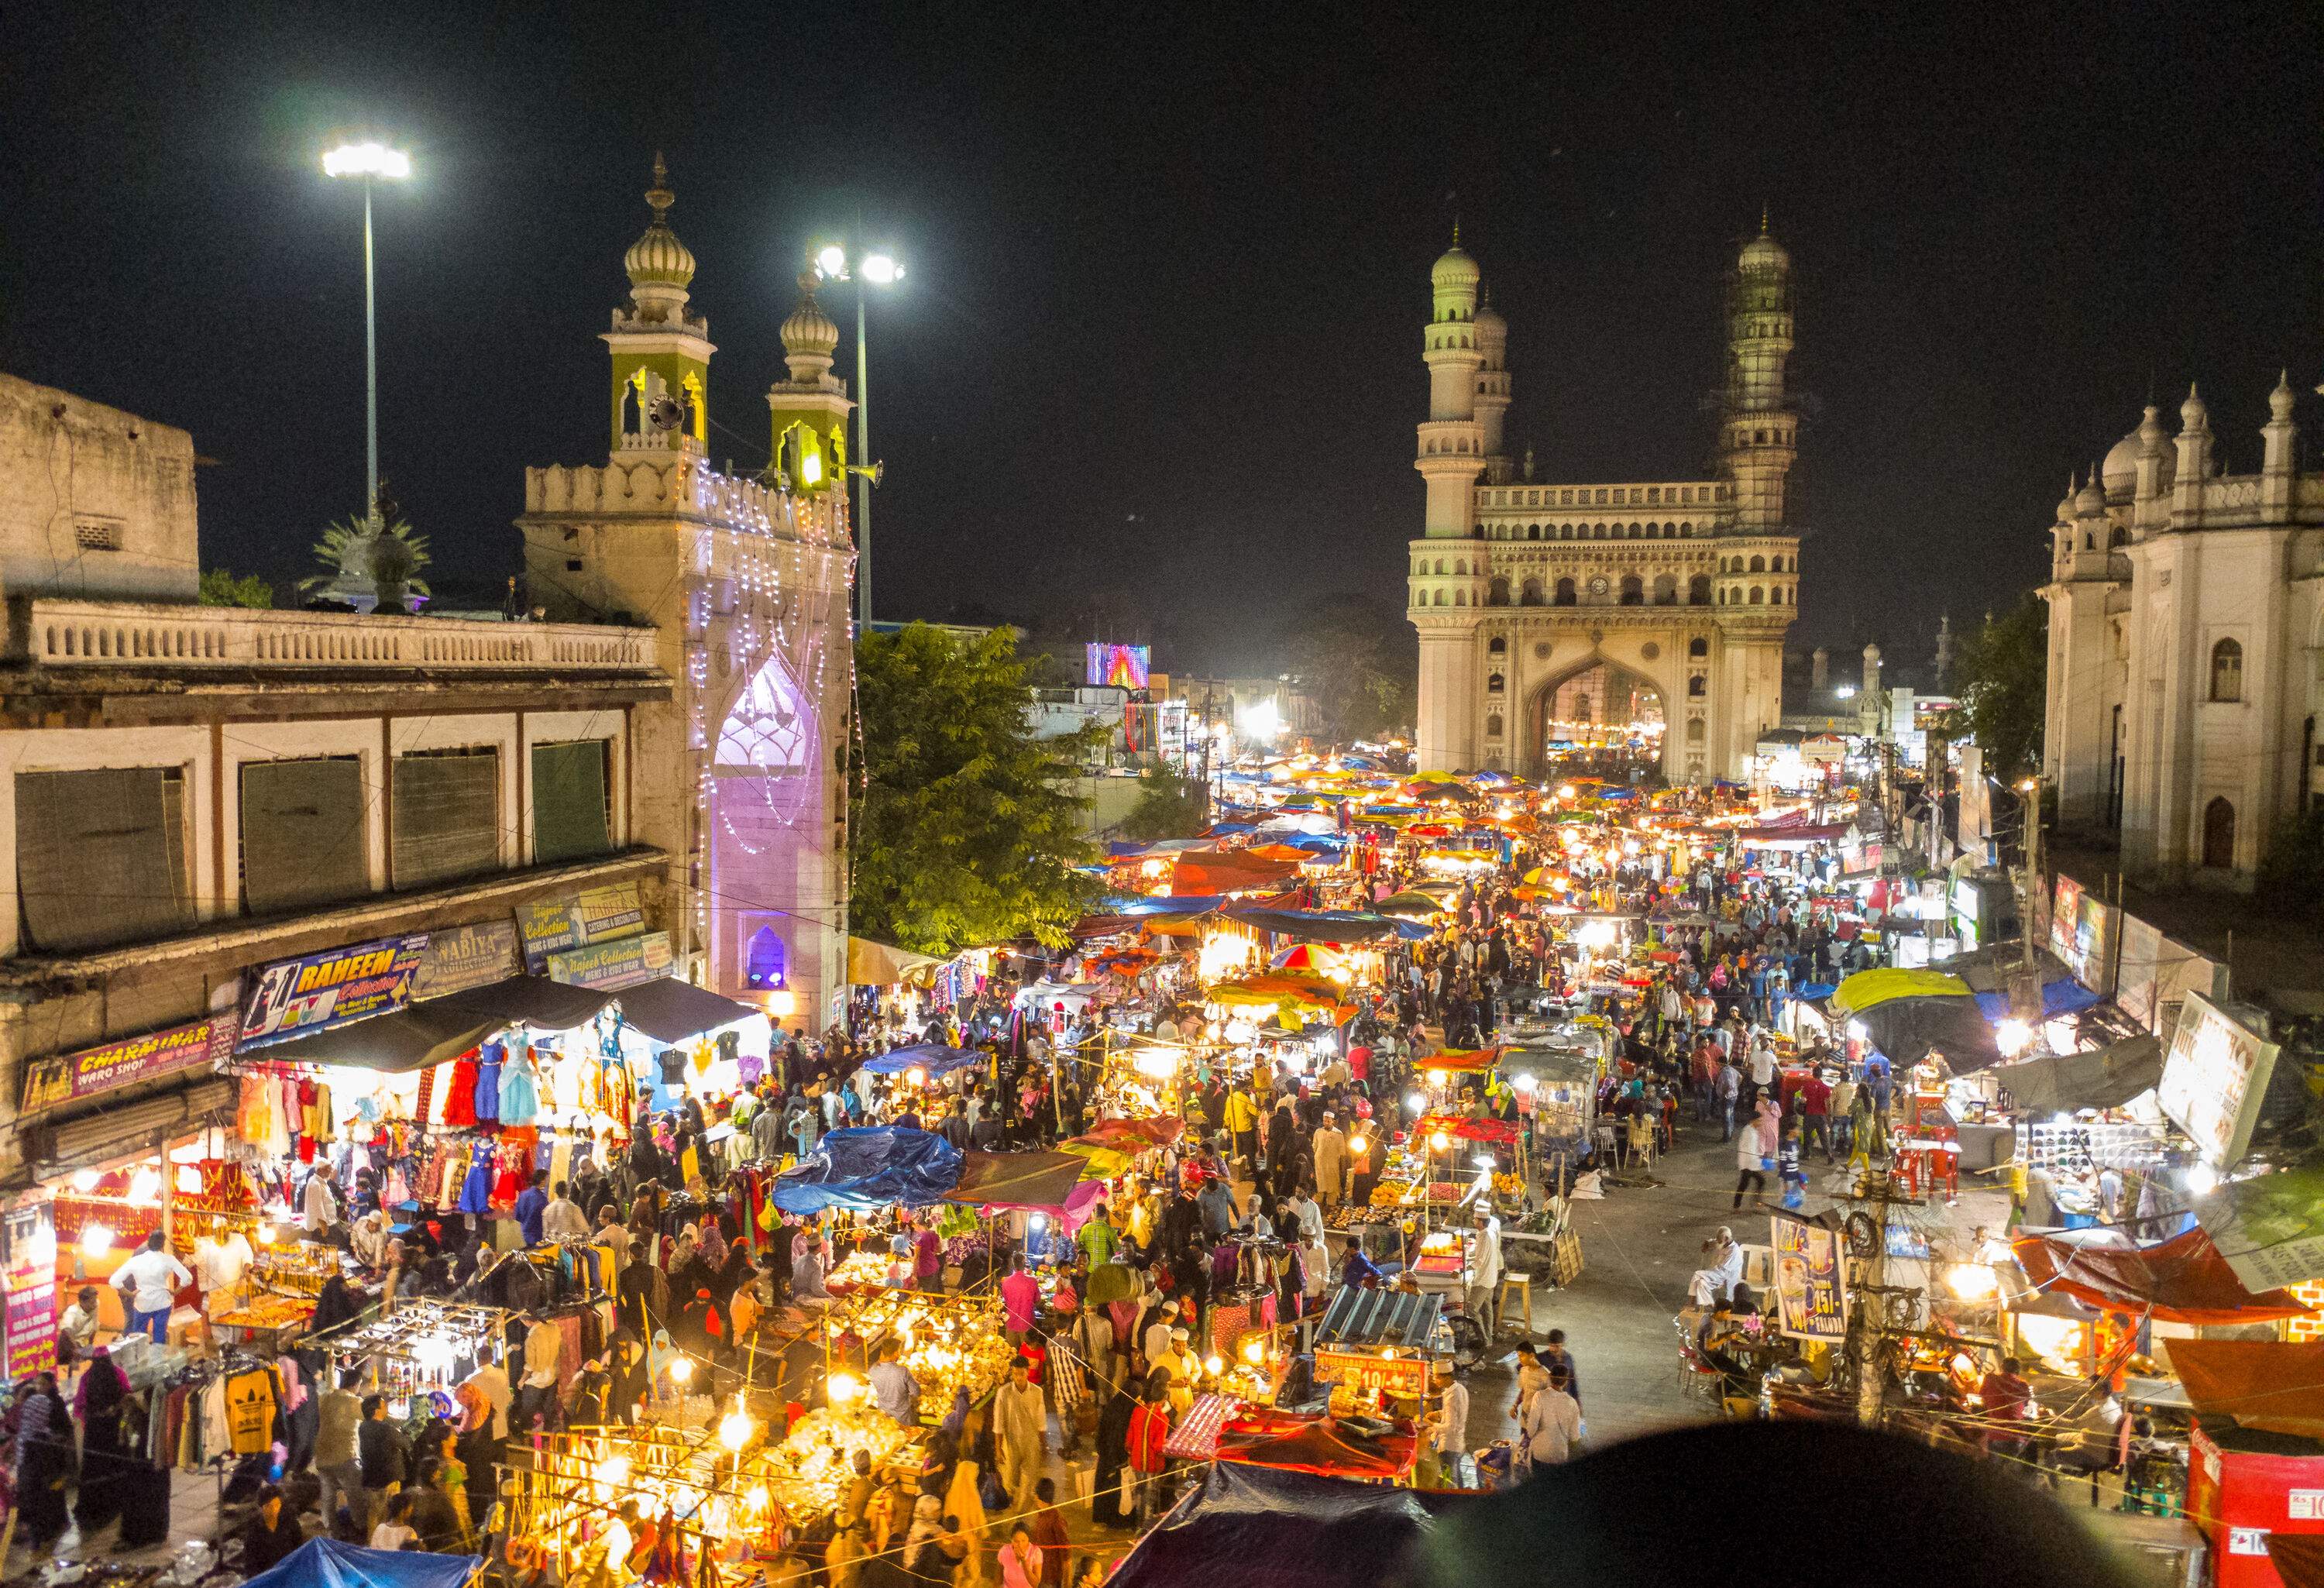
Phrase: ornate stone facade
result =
(1516, 586)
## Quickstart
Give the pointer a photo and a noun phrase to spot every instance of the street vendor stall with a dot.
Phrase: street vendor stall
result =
(420, 1352)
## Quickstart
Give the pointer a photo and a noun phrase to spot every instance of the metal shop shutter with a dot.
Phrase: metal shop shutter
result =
(101, 856)
(569, 817)
(302, 833)
(447, 815)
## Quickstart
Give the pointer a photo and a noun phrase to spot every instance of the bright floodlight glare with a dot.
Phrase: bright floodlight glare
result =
(880, 268)
(1846, 691)
(366, 160)
(832, 262)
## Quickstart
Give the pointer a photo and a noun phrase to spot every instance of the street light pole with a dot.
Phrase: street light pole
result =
(863, 457)
(371, 370)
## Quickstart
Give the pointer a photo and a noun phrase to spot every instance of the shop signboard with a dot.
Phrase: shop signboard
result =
(460, 958)
(50, 1083)
(1811, 1286)
(1355, 1375)
(2093, 955)
(28, 1268)
(2270, 1228)
(316, 991)
(622, 963)
(2214, 1079)
(594, 914)
(2135, 979)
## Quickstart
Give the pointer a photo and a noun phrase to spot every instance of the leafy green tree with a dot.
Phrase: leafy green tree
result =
(1169, 807)
(219, 587)
(1361, 664)
(965, 831)
(2003, 671)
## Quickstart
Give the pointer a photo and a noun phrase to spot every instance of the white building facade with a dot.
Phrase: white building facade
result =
(1688, 586)
(2186, 667)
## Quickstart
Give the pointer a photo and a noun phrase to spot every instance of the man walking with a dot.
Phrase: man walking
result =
(1021, 1422)
(1551, 1424)
(338, 1459)
(1749, 1175)
(1726, 1087)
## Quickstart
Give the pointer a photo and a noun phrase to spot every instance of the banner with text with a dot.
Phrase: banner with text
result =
(317, 992)
(622, 963)
(2214, 1079)
(28, 1269)
(49, 1083)
(594, 914)
(1811, 1288)
(460, 958)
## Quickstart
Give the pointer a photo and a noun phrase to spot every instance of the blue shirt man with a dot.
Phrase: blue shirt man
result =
(531, 1204)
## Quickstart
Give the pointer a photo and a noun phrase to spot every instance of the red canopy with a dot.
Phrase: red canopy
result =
(1264, 1437)
(1134, 1135)
(2182, 1281)
(1465, 1059)
(2275, 1385)
(1500, 1133)
(1227, 870)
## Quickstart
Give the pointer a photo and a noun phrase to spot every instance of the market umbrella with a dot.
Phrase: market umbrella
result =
(1012, 1180)
(1256, 1527)
(869, 1167)
(325, 1563)
(2181, 1281)
(936, 1058)
(1907, 1014)
(1466, 1060)
(2274, 1386)
(1410, 903)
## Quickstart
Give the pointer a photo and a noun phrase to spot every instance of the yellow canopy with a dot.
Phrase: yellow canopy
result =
(1868, 989)
(883, 964)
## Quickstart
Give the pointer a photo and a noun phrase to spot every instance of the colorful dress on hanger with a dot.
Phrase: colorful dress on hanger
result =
(460, 1095)
(489, 1058)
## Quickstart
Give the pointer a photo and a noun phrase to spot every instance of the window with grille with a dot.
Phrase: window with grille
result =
(97, 535)
(572, 800)
(302, 833)
(101, 856)
(446, 814)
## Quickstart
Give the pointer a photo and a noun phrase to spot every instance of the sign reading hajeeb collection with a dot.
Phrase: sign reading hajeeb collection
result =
(2214, 1080)
(316, 991)
(1811, 1288)
(594, 914)
(51, 1081)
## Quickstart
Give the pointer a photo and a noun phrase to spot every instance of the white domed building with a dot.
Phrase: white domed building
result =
(2186, 628)
(1553, 612)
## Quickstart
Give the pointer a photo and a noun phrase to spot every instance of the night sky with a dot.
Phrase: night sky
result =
(1158, 353)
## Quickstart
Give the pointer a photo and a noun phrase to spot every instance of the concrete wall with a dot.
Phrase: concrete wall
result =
(92, 501)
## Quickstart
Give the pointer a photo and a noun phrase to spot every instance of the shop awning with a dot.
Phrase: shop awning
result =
(2271, 1385)
(2181, 1281)
(1319, 926)
(936, 1058)
(670, 1010)
(1041, 1180)
(1230, 871)
(867, 1168)
(883, 964)
(1909, 1013)
(325, 1563)
(2102, 1077)
(421, 1035)
(2061, 997)
(1256, 1527)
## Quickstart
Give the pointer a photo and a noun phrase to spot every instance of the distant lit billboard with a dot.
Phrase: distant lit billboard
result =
(1122, 666)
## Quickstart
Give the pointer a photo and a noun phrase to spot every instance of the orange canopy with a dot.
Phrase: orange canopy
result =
(2181, 1281)
(1464, 1059)
(1204, 872)
(2264, 1384)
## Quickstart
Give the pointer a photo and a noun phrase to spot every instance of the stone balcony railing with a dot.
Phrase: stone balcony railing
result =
(134, 636)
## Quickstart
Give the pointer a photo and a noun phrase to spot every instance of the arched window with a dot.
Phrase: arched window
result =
(1633, 591)
(1440, 597)
(1533, 531)
(1496, 593)
(1565, 531)
(1698, 646)
(1493, 726)
(1758, 596)
(2220, 834)
(1637, 531)
(1686, 532)
(1564, 592)
(2227, 677)
(1722, 595)
(1530, 595)
(1461, 565)
(1597, 531)
(763, 961)
(1440, 568)
(1759, 564)
(1695, 729)
(1698, 592)
(1497, 646)
(1460, 598)
(1666, 589)
(1495, 684)
(1697, 686)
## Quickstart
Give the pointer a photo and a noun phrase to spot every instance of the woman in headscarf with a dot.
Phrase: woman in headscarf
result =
(966, 1509)
(932, 1551)
(1112, 1457)
(44, 1458)
(100, 1406)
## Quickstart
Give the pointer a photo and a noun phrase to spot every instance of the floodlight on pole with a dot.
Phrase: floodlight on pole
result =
(371, 161)
(833, 262)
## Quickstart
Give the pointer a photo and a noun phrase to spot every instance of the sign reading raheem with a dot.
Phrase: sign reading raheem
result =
(316, 991)
(51, 1081)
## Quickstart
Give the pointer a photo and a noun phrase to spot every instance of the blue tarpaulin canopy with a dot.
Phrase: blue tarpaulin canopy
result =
(2064, 996)
(934, 1057)
(869, 1167)
(1319, 926)
(325, 1563)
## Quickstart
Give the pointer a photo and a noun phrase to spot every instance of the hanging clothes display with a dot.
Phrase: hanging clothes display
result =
(519, 1101)
(460, 1093)
(488, 1091)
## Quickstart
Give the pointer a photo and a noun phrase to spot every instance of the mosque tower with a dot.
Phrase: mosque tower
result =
(1492, 387)
(661, 354)
(810, 409)
(1452, 440)
(1760, 430)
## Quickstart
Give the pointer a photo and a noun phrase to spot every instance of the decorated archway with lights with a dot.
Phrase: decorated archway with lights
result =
(766, 821)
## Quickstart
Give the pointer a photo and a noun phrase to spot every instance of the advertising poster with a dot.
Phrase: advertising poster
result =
(28, 1268)
(2093, 957)
(2066, 919)
(51, 1081)
(1355, 1375)
(2270, 1228)
(622, 963)
(594, 914)
(317, 992)
(1122, 667)
(2214, 1079)
(1811, 1286)
(2134, 981)
(462, 957)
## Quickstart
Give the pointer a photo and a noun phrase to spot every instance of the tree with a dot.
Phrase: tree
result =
(219, 587)
(2003, 671)
(392, 559)
(1169, 807)
(967, 832)
(1357, 662)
